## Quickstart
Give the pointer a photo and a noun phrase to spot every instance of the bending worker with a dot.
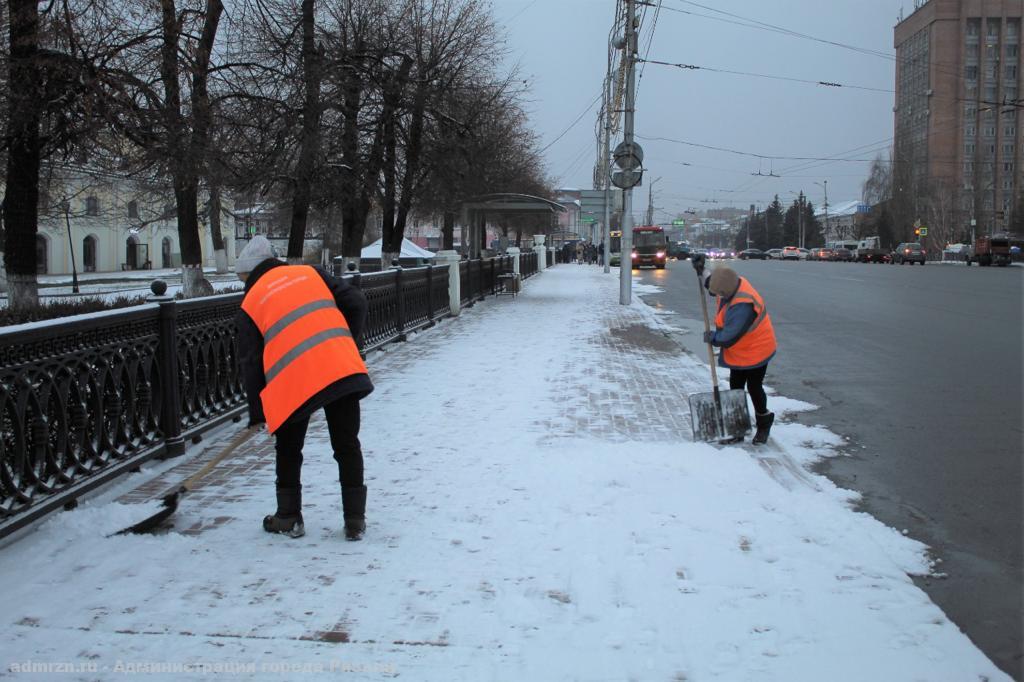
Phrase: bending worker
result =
(743, 330)
(297, 334)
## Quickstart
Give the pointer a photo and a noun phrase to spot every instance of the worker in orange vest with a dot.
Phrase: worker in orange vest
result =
(744, 332)
(298, 334)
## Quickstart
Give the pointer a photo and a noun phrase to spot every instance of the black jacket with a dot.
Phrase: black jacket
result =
(352, 304)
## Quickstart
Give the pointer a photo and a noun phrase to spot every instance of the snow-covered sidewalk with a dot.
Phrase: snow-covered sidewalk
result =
(537, 511)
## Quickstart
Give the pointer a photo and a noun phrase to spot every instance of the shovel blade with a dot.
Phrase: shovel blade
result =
(704, 415)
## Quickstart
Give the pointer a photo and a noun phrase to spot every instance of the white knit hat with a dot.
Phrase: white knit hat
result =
(255, 252)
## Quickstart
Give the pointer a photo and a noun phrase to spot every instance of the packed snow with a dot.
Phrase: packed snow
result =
(537, 511)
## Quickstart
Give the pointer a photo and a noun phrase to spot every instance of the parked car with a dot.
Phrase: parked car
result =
(791, 253)
(820, 254)
(773, 254)
(752, 254)
(842, 254)
(805, 254)
(908, 252)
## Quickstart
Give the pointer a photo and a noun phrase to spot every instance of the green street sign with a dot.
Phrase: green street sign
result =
(679, 223)
(589, 220)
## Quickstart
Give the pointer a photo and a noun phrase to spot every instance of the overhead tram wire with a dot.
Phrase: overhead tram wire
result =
(694, 67)
(951, 70)
(573, 124)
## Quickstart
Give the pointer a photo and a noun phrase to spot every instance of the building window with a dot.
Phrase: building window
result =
(1011, 72)
(1010, 131)
(92, 206)
(993, 28)
(971, 73)
(1008, 166)
(969, 148)
(990, 131)
(972, 27)
(1012, 27)
(1008, 150)
(133, 209)
(89, 254)
(969, 131)
(1011, 51)
(1008, 183)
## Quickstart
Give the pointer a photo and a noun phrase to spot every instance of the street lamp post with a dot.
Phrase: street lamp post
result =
(650, 201)
(825, 205)
(66, 207)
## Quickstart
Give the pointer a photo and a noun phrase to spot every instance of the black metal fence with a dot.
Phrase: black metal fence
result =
(84, 400)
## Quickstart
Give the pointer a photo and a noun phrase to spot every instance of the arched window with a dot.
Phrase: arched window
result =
(89, 253)
(165, 253)
(41, 259)
(133, 209)
(131, 257)
(92, 206)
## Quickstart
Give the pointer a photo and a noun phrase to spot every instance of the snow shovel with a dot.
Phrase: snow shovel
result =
(719, 416)
(171, 499)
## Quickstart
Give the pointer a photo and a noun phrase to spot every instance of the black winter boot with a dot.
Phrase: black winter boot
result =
(288, 517)
(764, 426)
(353, 503)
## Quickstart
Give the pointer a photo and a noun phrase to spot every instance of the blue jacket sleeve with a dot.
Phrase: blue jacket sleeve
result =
(250, 361)
(738, 319)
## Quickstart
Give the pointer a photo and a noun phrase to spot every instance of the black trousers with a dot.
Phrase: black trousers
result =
(343, 425)
(752, 380)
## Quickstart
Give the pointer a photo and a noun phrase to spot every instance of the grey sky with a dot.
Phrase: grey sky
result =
(561, 48)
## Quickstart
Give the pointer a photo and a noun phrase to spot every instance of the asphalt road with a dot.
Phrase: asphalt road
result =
(921, 369)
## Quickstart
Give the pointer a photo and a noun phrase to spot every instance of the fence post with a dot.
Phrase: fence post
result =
(452, 258)
(541, 251)
(430, 292)
(399, 302)
(170, 412)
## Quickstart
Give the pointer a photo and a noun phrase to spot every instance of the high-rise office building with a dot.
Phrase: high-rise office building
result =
(959, 138)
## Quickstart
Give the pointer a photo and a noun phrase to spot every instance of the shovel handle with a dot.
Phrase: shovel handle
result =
(707, 328)
(237, 441)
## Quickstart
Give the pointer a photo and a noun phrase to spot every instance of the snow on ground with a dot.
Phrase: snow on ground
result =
(537, 511)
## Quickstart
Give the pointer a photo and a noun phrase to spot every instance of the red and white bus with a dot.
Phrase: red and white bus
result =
(650, 246)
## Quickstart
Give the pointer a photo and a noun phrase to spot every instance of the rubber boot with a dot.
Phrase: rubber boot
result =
(287, 520)
(764, 426)
(353, 503)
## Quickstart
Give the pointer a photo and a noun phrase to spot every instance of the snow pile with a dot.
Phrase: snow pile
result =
(536, 512)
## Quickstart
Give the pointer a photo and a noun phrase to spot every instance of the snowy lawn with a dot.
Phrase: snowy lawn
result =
(537, 511)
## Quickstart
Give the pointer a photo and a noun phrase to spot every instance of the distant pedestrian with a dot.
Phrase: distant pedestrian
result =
(580, 248)
(297, 334)
(600, 253)
(744, 332)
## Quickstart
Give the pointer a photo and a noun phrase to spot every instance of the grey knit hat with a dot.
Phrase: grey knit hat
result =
(724, 282)
(255, 252)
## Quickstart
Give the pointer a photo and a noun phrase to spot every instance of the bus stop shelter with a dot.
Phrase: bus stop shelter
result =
(478, 210)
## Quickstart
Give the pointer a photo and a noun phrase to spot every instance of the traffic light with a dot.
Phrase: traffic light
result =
(917, 231)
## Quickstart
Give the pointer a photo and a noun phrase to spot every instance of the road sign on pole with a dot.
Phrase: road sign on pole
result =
(924, 231)
(679, 223)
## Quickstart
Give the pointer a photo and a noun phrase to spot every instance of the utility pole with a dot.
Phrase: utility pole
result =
(825, 186)
(626, 261)
(650, 201)
(606, 170)
(800, 219)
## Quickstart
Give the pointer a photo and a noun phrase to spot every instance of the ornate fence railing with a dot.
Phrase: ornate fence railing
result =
(86, 399)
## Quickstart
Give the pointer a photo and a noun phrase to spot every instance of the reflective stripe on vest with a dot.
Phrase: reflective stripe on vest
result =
(758, 343)
(307, 344)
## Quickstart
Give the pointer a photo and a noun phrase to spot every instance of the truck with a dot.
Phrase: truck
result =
(869, 250)
(994, 249)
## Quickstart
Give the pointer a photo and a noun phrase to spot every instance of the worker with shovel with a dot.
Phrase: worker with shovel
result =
(743, 331)
(297, 334)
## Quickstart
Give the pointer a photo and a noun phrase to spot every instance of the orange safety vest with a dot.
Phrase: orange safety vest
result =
(758, 343)
(307, 345)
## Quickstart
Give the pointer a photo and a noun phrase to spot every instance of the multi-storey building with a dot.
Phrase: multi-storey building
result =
(959, 141)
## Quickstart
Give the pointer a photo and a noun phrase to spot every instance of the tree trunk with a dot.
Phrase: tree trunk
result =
(216, 236)
(448, 231)
(310, 142)
(392, 238)
(21, 203)
(353, 225)
(187, 159)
